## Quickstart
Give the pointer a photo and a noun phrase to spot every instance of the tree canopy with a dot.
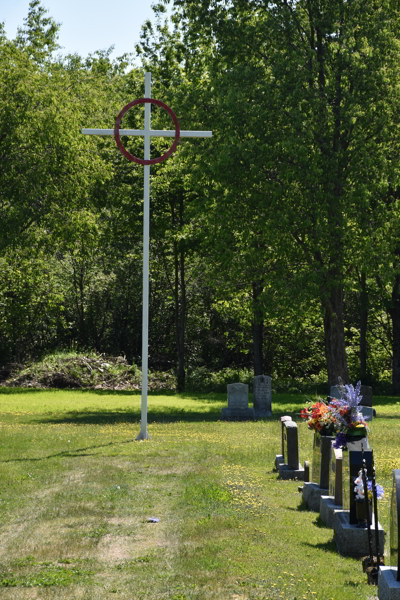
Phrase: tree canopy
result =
(275, 245)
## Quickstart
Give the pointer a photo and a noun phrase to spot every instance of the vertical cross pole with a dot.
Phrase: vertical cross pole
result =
(143, 434)
(147, 132)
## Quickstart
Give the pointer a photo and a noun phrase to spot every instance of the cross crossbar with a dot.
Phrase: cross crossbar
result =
(152, 132)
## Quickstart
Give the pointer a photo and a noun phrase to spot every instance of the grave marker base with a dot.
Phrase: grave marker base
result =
(352, 540)
(327, 509)
(237, 414)
(260, 413)
(286, 473)
(312, 495)
(388, 586)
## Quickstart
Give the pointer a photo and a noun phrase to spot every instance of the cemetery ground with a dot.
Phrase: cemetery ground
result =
(77, 492)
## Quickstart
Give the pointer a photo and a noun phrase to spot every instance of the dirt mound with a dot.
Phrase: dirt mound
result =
(87, 371)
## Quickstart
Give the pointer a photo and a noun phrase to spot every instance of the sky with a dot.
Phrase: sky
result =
(86, 25)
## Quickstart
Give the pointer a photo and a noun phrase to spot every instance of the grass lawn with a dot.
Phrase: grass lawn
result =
(77, 492)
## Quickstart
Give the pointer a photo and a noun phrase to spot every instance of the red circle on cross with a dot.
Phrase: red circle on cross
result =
(130, 156)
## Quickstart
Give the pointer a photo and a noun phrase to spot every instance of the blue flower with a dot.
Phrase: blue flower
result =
(340, 441)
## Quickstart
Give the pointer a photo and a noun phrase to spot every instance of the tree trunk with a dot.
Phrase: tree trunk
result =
(258, 330)
(395, 315)
(363, 326)
(334, 336)
(180, 301)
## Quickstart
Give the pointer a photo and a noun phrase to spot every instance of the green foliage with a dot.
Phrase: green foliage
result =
(40, 33)
(271, 223)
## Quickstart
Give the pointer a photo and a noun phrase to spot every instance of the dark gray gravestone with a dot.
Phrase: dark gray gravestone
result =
(306, 471)
(395, 524)
(280, 458)
(336, 477)
(262, 396)
(366, 393)
(321, 458)
(291, 469)
(316, 458)
(365, 404)
(283, 421)
(389, 577)
(291, 445)
(352, 463)
(238, 403)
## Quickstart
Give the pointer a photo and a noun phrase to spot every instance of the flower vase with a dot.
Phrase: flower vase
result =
(356, 434)
(361, 512)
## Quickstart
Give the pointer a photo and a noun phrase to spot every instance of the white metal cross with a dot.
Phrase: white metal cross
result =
(147, 132)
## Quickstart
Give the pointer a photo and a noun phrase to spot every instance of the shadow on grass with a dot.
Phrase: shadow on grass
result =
(326, 546)
(161, 415)
(102, 417)
(205, 398)
(320, 523)
(77, 452)
(302, 507)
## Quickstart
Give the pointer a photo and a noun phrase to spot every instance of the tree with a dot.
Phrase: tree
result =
(39, 35)
(307, 88)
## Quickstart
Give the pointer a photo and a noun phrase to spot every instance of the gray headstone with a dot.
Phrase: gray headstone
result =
(336, 477)
(238, 403)
(283, 421)
(365, 392)
(291, 444)
(334, 392)
(306, 471)
(262, 396)
(238, 396)
(395, 524)
(321, 459)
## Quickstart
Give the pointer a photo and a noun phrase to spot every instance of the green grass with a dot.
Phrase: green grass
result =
(77, 491)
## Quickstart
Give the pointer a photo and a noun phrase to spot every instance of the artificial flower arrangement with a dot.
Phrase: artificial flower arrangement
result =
(359, 489)
(320, 418)
(340, 417)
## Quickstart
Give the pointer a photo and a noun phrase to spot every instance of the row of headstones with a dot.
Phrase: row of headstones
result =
(287, 463)
(238, 400)
(331, 494)
(330, 489)
(238, 408)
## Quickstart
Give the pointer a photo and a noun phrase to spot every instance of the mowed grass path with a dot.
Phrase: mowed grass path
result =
(77, 490)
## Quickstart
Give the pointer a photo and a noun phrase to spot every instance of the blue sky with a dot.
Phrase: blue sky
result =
(86, 25)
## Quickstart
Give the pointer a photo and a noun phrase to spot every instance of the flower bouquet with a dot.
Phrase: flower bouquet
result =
(349, 418)
(320, 418)
(341, 417)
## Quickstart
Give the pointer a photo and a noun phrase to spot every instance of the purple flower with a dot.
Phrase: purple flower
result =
(340, 440)
(352, 396)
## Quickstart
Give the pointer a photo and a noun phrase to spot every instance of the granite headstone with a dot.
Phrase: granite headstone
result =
(238, 403)
(262, 396)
